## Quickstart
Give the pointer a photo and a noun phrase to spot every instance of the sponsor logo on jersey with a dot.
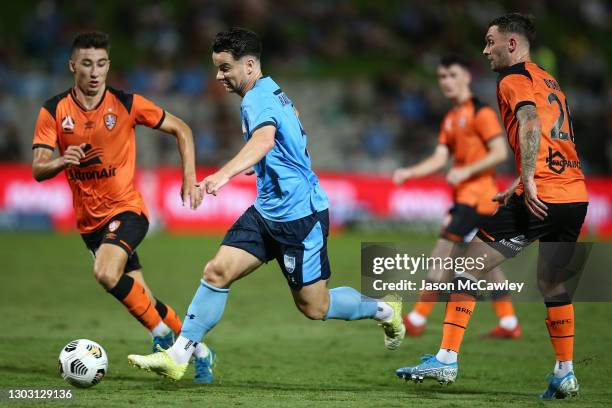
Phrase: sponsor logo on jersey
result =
(557, 162)
(93, 174)
(68, 124)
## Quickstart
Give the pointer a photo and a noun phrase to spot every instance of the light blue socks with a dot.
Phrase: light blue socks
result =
(204, 312)
(346, 303)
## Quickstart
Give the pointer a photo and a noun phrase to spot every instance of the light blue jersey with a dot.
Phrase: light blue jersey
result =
(287, 188)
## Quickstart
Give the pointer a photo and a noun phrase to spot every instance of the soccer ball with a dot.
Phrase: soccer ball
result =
(83, 363)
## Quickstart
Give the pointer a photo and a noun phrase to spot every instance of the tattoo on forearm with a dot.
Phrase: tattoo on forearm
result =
(529, 138)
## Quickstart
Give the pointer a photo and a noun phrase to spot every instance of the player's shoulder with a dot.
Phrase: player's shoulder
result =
(260, 96)
(52, 103)
(516, 71)
(480, 106)
(543, 78)
(482, 109)
(125, 98)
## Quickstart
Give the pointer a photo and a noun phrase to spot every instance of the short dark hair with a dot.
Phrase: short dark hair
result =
(516, 23)
(238, 42)
(454, 59)
(93, 39)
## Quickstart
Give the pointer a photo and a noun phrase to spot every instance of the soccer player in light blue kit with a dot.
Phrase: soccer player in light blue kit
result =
(289, 221)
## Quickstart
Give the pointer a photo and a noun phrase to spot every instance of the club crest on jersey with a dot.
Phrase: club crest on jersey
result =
(68, 123)
(110, 120)
(112, 227)
(289, 262)
(462, 121)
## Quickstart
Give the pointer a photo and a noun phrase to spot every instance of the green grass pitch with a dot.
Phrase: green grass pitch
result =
(269, 354)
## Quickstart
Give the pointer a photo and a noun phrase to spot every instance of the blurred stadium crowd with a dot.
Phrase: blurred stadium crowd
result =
(361, 73)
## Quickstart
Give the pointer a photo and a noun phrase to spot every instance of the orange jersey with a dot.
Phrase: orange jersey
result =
(558, 174)
(103, 184)
(466, 130)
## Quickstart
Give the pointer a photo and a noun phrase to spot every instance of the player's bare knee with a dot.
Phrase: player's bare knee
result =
(106, 276)
(313, 312)
(214, 274)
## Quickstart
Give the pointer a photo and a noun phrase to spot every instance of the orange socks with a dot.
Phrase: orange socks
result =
(427, 301)
(169, 316)
(132, 294)
(135, 299)
(560, 323)
(503, 307)
(458, 312)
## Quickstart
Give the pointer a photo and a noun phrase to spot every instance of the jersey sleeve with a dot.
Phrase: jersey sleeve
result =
(487, 124)
(260, 113)
(45, 132)
(443, 137)
(516, 90)
(147, 113)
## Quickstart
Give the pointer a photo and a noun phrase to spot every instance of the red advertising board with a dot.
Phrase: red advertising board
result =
(351, 195)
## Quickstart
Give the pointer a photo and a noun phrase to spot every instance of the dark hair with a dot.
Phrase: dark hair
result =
(452, 59)
(516, 23)
(93, 39)
(238, 42)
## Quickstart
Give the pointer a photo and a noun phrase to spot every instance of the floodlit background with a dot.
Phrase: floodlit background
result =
(361, 73)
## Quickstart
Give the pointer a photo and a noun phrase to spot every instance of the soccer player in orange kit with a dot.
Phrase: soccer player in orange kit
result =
(470, 133)
(547, 202)
(92, 126)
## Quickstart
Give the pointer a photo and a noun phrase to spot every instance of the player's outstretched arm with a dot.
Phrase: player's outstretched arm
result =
(529, 140)
(45, 167)
(497, 153)
(430, 165)
(260, 143)
(184, 137)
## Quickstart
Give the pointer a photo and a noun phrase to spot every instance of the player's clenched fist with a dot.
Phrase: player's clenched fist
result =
(213, 183)
(73, 155)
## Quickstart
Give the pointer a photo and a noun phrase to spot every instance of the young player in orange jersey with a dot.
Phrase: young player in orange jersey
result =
(470, 133)
(548, 202)
(92, 125)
